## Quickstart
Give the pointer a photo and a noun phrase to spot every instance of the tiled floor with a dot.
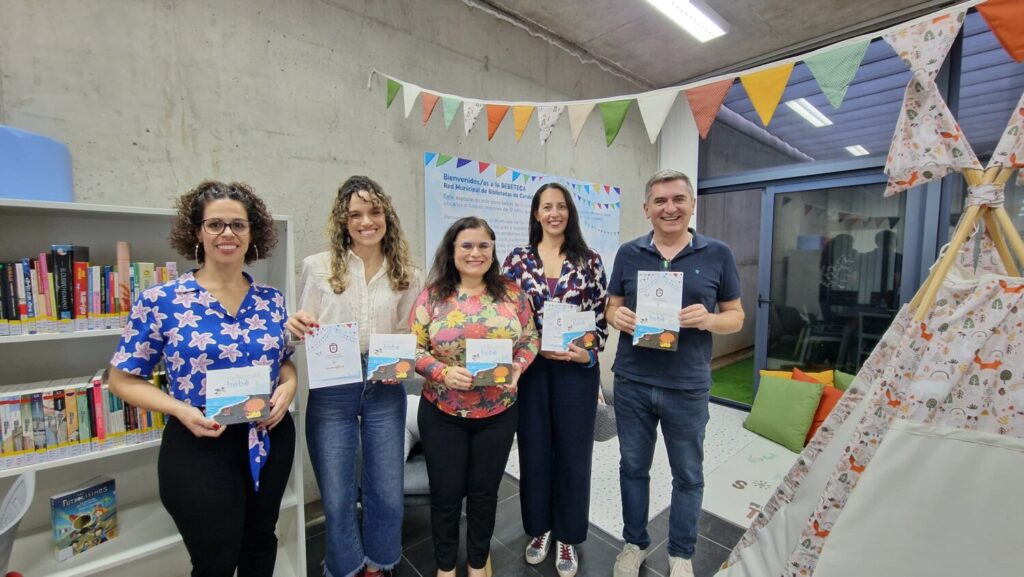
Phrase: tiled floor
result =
(597, 554)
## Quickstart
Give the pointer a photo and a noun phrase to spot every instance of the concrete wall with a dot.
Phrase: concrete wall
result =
(153, 96)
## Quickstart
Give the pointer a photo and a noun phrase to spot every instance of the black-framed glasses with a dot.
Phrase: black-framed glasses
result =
(484, 246)
(216, 226)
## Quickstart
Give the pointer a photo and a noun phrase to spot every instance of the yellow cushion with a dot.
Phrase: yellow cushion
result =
(779, 374)
(824, 377)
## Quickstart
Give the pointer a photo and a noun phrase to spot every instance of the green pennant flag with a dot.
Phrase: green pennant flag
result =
(443, 159)
(613, 113)
(835, 69)
(393, 87)
(451, 106)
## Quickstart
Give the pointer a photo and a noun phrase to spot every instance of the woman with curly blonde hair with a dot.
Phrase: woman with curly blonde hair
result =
(366, 277)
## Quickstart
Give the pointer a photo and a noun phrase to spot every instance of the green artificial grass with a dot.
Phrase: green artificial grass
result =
(734, 382)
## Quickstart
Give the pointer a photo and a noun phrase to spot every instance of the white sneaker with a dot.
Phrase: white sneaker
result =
(537, 549)
(628, 562)
(679, 567)
(567, 563)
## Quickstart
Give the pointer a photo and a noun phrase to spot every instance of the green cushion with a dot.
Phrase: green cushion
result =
(783, 411)
(843, 380)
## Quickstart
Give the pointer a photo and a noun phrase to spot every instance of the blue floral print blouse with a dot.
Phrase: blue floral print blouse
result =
(186, 325)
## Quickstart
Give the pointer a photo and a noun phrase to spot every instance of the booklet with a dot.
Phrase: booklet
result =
(659, 298)
(490, 361)
(391, 358)
(580, 329)
(83, 517)
(238, 395)
(332, 356)
(551, 335)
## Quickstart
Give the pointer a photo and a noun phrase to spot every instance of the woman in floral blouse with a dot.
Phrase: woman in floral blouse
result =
(558, 395)
(467, 431)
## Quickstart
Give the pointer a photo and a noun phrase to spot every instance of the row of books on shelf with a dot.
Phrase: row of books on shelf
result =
(64, 418)
(62, 291)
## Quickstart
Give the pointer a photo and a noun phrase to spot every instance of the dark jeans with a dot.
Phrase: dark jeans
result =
(683, 415)
(207, 487)
(558, 406)
(465, 459)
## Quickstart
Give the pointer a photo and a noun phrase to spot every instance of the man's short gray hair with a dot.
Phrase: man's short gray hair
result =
(666, 175)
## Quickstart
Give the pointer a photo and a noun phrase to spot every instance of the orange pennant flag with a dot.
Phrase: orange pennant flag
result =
(765, 89)
(495, 114)
(521, 117)
(705, 102)
(1006, 19)
(429, 102)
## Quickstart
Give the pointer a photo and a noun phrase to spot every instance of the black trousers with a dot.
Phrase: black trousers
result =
(207, 487)
(465, 459)
(558, 404)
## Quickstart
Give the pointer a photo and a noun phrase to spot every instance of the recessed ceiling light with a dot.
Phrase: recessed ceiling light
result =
(857, 150)
(808, 112)
(694, 16)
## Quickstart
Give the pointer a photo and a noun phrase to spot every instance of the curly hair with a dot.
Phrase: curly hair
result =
(444, 278)
(185, 228)
(394, 245)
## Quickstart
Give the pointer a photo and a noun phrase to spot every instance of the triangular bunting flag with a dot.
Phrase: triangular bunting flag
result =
(427, 157)
(893, 220)
(578, 114)
(834, 70)
(393, 87)
(443, 159)
(471, 110)
(483, 166)
(705, 102)
(765, 89)
(1010, 150)
(654, 109)
(429, 102)
(1006, 19)
(515, 176)
(495, 114)
(410, 92)
(923, 46)
(451, 106)
(462, 162)
(500, 170)
(521, 117)
(613, 113)
(547, 116)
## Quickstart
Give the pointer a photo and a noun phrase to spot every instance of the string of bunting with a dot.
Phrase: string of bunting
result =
(833, 67)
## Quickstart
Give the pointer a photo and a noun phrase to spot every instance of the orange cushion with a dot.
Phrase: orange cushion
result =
(824, 377)
(829, 397)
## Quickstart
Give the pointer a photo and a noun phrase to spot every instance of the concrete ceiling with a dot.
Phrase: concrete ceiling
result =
(635, 39)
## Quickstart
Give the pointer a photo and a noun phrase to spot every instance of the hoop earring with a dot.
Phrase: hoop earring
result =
(197, 252)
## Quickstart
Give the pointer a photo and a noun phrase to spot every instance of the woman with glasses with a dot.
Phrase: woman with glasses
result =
(466, 428)
(365, 277)
(558, 394)
(222, 485)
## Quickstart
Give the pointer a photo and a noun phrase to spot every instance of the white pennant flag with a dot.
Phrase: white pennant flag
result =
(578, 114)
(654, 109)
(547, 116)
(411, 93)
(470, 111)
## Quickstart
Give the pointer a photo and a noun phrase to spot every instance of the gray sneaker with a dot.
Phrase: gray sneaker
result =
(567, 563)
(679, 567)
(627, 564)
(537, 549)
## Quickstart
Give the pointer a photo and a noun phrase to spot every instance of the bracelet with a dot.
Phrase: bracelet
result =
(593, 358)
(444, 373)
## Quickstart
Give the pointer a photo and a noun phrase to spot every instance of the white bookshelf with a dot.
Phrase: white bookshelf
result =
(148, 542)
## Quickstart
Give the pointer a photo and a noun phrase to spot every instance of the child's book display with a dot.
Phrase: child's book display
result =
(84, 517)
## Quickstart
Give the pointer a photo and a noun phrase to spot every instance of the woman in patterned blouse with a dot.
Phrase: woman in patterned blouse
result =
(466, 430)
(222, 485)
(558, 394)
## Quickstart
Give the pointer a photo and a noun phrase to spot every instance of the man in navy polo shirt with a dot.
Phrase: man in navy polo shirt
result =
(668, 386)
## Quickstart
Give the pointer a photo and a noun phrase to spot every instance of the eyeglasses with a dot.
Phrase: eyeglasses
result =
(216, 226)
(485, 246)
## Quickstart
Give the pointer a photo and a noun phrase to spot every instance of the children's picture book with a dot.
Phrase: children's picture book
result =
(391, 357)
(84, 517)
(332, 356)
(659, 298)
(551, 335)
(490, 361)
(238, 395)
(580, 329)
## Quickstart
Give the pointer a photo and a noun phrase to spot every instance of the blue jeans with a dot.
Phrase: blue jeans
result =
(683, 415)
(337, 419)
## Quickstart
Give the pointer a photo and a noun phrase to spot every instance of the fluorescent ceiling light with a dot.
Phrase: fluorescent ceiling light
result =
(694, 16)
(857, 150)
(809, 112)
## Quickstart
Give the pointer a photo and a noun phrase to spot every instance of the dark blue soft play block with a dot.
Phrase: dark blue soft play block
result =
(33, 167)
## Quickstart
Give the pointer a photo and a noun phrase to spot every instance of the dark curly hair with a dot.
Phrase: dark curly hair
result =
(393, 245)
(184, 236)
(444, 278)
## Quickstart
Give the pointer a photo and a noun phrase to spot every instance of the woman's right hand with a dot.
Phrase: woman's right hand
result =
(458, 378)
(301, 324)
(557, 355)
(196, 421)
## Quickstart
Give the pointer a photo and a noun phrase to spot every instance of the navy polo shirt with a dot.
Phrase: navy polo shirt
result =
(709, 277)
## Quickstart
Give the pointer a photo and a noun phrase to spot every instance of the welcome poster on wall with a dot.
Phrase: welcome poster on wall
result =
(458, 187)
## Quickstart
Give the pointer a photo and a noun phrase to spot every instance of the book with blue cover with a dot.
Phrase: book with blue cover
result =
(391, 357)
(84, 517)
(490, 361)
